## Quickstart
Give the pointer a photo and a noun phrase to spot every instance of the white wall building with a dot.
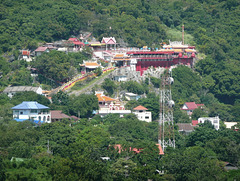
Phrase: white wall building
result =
(31, 111)
(10, 91)
(105, 112)
(229, 125)
(142, 113)
(214, 120)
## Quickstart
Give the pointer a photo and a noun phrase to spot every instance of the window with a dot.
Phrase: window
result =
(147, 117)
(21, 112)
(34, 111)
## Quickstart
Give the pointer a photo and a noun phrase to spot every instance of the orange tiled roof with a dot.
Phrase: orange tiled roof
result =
(119, 55)
(91, 64)
(190, 50)
(177, 50)
(140, 108)
(102, 98)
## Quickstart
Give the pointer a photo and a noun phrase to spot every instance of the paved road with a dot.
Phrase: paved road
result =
(89, 88)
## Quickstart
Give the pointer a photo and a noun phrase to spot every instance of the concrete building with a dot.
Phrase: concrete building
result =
(10, 91)
(214, 120)
(34, 111)
(142, 113)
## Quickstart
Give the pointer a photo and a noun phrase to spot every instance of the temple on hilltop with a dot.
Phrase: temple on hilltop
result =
(173, 54)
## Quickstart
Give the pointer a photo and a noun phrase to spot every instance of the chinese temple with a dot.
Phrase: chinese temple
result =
(170, 55)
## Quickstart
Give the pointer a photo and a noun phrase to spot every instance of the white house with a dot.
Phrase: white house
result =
(142, 113)
(214, 120)
(28, 110)
(230, 125)
(10, 91)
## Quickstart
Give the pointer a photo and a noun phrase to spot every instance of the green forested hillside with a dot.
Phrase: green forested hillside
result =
(76, 149)
(213, 25)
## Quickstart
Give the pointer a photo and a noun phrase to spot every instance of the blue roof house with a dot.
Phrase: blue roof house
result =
(28, 110)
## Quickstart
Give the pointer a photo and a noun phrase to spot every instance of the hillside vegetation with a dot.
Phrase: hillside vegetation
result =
(76, 149)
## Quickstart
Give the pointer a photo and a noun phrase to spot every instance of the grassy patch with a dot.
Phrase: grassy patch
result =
(83, 84)
(176, 35)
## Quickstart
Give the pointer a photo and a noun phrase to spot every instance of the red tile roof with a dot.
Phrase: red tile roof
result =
(73, 39)
(136, 150)
(194, 122)
(138, 108)
(191, 105)
(26, 52)
(76, 41)
(79, 43)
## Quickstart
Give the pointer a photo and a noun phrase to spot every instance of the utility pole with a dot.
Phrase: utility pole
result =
(166, 137)
(183, 34)
(48, 149)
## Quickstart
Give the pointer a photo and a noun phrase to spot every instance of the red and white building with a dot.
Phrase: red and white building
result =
(142, 113)
(189, 107)
(110, 42)
(108, 105)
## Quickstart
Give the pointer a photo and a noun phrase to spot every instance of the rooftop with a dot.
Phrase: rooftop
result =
(138, 108)
(57, 114)
(41, 49)
(185, 127)
(27, 105)
(20, 89)
(191, 105)
(103, 98)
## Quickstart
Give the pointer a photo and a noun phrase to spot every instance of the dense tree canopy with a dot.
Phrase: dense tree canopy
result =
(79, 150)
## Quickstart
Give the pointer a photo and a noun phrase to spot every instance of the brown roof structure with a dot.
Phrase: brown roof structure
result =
(187, 127)
(57, 114)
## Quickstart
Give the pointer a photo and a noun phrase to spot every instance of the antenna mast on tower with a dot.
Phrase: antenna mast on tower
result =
(166, 137)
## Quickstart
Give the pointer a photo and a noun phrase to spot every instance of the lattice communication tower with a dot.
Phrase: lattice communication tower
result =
(166, 137)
